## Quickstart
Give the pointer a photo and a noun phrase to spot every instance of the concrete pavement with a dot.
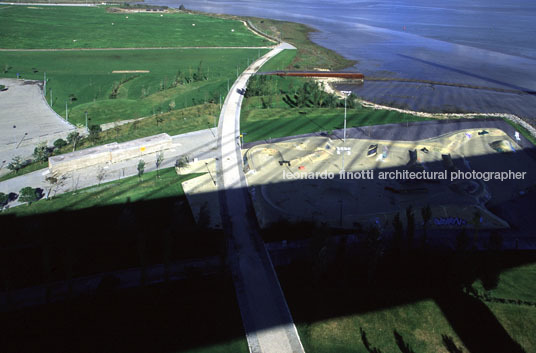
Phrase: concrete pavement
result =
(26, 120)
(267, 320)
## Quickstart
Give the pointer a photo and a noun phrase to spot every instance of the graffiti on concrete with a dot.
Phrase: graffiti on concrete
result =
(449, 221)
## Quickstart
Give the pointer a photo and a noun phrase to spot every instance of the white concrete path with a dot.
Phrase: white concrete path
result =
(267, 320)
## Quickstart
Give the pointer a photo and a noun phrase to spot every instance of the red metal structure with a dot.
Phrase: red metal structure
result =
(336, 74)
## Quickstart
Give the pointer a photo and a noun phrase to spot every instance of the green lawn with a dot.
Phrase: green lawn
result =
(279, 62)
(85, 80)
(95, 27)
(260, 124)
(515, 284)
(309, 55)
(197, 315)
(421, 325)
(281, 120)
(330, 317)
(112, 193)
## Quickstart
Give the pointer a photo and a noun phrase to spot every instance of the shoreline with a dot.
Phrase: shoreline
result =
(328, 88)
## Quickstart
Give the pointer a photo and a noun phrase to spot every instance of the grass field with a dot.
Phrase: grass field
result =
(309, 55)
(518, 284)
(281, 120)
(95, 27)
(121, 224)
(330, 317)
(184, 316)
(112, 193)
(85, 80)
(421, 325)
(261, 124)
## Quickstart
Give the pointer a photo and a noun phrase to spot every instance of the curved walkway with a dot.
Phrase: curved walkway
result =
(267, 320)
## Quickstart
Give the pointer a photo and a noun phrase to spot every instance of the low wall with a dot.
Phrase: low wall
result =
(110, 153)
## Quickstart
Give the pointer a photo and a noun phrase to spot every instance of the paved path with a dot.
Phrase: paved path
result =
(265, 315)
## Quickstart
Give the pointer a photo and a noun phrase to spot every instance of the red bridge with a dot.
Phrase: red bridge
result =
(337, 74)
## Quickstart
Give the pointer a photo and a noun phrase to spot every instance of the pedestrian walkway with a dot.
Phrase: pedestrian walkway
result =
(267, 320)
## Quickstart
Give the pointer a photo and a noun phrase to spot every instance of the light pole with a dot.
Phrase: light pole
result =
(346, 94)
(86, 118)
(66, 112)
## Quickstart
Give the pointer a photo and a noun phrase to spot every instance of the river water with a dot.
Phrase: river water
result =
(482, 43)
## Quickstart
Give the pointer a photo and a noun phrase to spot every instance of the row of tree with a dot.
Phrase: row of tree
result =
(42, 152)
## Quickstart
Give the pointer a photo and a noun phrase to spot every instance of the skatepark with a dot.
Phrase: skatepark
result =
(300, 179)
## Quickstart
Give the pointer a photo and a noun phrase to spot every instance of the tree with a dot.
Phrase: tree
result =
(159, 160)
(477, 222)
(426, 213)
(410, 227)
(29, 194)
(141, 168)
(4, 199)
(101, 174)
(182, 162)
(41, 152)
(94, 133)
(54, 182)
(16, 164)
(399, 232)
(59, 143)
(73, 138)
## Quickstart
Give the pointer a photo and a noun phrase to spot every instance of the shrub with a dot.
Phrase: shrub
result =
(41, 152)
(94, 133)
(4, 199)
(16, 164)
(59, 143)
(29, 194)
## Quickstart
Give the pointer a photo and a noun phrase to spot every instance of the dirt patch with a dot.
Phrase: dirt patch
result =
(130, 71)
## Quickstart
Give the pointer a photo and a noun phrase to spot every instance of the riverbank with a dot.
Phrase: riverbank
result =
(309, 55)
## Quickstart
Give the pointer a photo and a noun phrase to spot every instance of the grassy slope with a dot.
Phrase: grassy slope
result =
(516, 284)
(262, 124)
(184, 316)
(88, 76)
(92, 28)
(421, 325)
(112, 193)
(421, 322)
(281, 120)
(309, 55)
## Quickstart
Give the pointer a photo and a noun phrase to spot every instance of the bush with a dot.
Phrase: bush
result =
(4, 199)
(59, 143)
(29, 194)
(42, 152)
(16, 164)
(94, 133)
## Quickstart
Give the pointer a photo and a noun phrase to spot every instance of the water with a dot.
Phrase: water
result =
(484, 43)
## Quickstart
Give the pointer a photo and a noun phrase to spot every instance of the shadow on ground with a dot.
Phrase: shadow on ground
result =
(384, 270)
